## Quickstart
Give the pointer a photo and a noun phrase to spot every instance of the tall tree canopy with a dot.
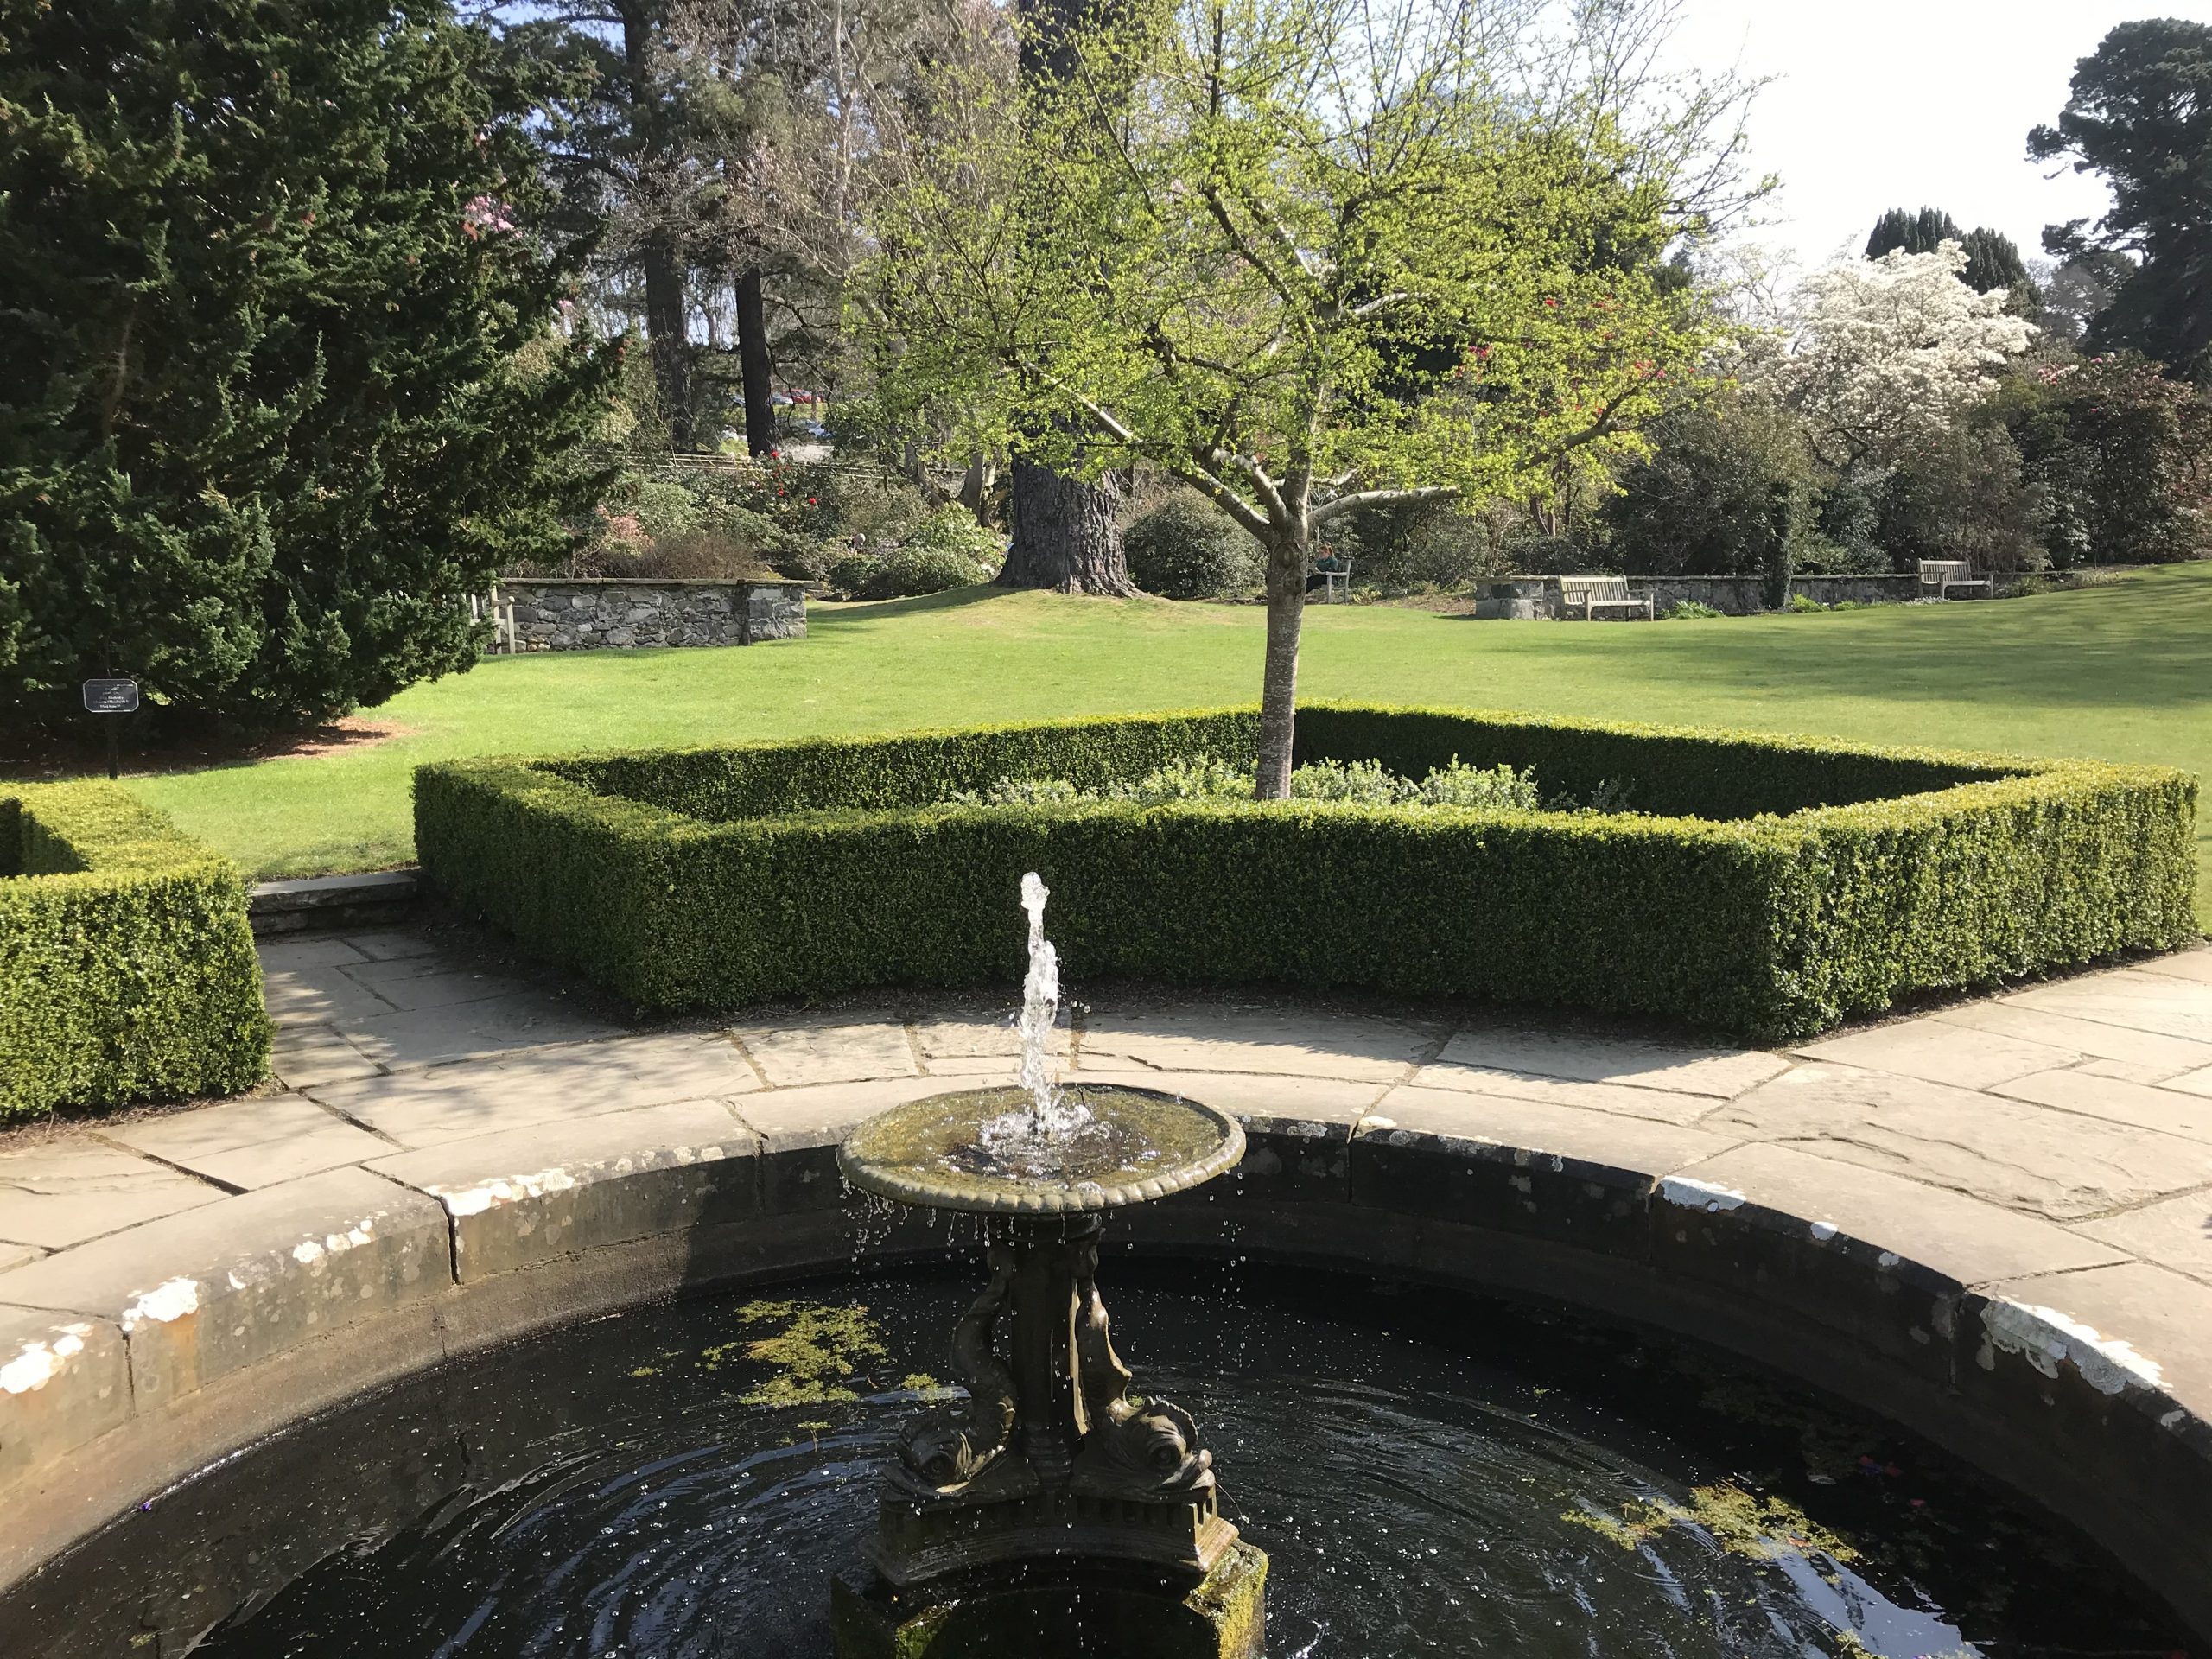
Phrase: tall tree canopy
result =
(1307, 255)
(1993, 259)
(1902, 230)
(2141, 113)
(283, 386)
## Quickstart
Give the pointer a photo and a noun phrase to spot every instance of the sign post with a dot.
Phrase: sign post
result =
(115, 698)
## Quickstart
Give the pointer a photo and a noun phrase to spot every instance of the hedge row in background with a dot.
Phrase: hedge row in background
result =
(1801, 882)
(127, 969)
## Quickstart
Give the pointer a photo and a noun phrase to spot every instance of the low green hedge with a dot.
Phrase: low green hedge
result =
(127, 969)
(1797, 882)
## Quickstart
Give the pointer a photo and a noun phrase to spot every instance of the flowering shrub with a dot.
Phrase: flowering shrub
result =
(1878, 354)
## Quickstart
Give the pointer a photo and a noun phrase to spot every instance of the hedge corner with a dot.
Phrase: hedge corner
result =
(127, 967)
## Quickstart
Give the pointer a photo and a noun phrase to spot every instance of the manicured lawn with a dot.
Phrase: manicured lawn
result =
(2123, 672)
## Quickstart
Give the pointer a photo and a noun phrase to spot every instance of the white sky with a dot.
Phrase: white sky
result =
(1908, 103)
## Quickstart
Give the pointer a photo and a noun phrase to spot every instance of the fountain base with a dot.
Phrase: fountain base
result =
(1042, 1609)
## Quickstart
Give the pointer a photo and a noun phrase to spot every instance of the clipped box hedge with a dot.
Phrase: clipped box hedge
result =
(1789, 884)
(127, 969)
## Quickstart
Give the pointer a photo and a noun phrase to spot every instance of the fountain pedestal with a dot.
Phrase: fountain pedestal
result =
(1051, 1510)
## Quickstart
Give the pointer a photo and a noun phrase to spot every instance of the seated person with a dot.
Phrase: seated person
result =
(1325, 567)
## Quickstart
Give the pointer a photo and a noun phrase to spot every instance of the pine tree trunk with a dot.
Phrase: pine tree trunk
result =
(667, 310)
(755, 366)
(1067, 533)
(1286, 570)
(664, 329)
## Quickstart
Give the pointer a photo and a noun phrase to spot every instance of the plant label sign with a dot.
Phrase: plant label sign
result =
(111, 697)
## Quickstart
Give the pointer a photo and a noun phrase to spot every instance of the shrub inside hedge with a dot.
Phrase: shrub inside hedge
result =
(127, 969)
(1765, 886)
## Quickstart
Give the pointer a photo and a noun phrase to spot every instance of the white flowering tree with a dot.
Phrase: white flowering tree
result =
(1880, 355)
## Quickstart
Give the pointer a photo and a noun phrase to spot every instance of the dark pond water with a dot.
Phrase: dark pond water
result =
(1430, 1475)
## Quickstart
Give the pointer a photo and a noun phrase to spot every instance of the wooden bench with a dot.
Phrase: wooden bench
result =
(1944, 575)
(1594, 594)
(1335, 585)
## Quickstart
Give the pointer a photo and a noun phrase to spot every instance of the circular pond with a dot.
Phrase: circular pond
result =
(1430, 1474)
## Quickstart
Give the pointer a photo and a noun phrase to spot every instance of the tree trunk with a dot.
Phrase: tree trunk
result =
(1067, 533)
(665, 327)
(1287, 571)
(667, 310)
(976, 489)
(755, 366)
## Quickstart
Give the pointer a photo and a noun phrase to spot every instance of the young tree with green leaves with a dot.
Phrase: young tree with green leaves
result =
(285, 385)
(1308, 257)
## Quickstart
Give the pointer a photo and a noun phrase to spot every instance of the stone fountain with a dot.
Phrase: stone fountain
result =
(1052, 1511)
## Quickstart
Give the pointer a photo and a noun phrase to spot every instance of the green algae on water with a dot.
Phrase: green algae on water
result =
(819, 1346)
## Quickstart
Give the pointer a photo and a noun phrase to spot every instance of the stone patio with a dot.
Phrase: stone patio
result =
(2083, 1103)
(2046, 1153)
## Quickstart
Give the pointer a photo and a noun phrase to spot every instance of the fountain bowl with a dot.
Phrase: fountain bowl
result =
(1132, 1146)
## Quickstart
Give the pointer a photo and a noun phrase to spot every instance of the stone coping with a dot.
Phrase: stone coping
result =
(1953, 1221)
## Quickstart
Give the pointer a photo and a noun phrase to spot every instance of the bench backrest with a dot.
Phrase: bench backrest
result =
(1594, 587)
(1945, 570)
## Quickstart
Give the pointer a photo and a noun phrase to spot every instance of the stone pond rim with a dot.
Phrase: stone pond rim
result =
(910, 1154)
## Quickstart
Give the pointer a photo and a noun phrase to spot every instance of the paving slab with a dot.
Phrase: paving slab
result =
(415, 986)
(2195, 964)
(1650, 1149)
(2118, 1101)
(1591, 1057)
(1659, 1105)
(2103, 1042)
(309, 1054)
(1938, 1051)
(980, 1047)
(2175, 1233)
(2192, 1083)
(305, 955)
(1961, 1238)
(832, 1049)
(61, 1192)
(2059, 1165)
(448, 1103)
(1217, 1038)
(525, 1196)
(14, 1255)
(318, 996)
(2125, 1070)
(63, 1380)
(2144, 1001)
(209, 1291)
(435, 1036)
(790, 1120)
(251, 1143)
(392, 945)
(1262, 1101)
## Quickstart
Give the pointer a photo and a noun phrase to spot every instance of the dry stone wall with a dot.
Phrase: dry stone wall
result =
(1534, 598)
(589, 613)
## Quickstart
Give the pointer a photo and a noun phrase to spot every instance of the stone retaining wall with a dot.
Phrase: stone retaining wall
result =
(1536, 598)
(589, 613)
(1857, 590)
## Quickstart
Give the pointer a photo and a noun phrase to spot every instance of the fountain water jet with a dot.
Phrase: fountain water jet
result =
(1052, 1511)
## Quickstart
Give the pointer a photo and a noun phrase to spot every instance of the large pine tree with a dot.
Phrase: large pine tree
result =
(2141, 113)
(282, 389)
